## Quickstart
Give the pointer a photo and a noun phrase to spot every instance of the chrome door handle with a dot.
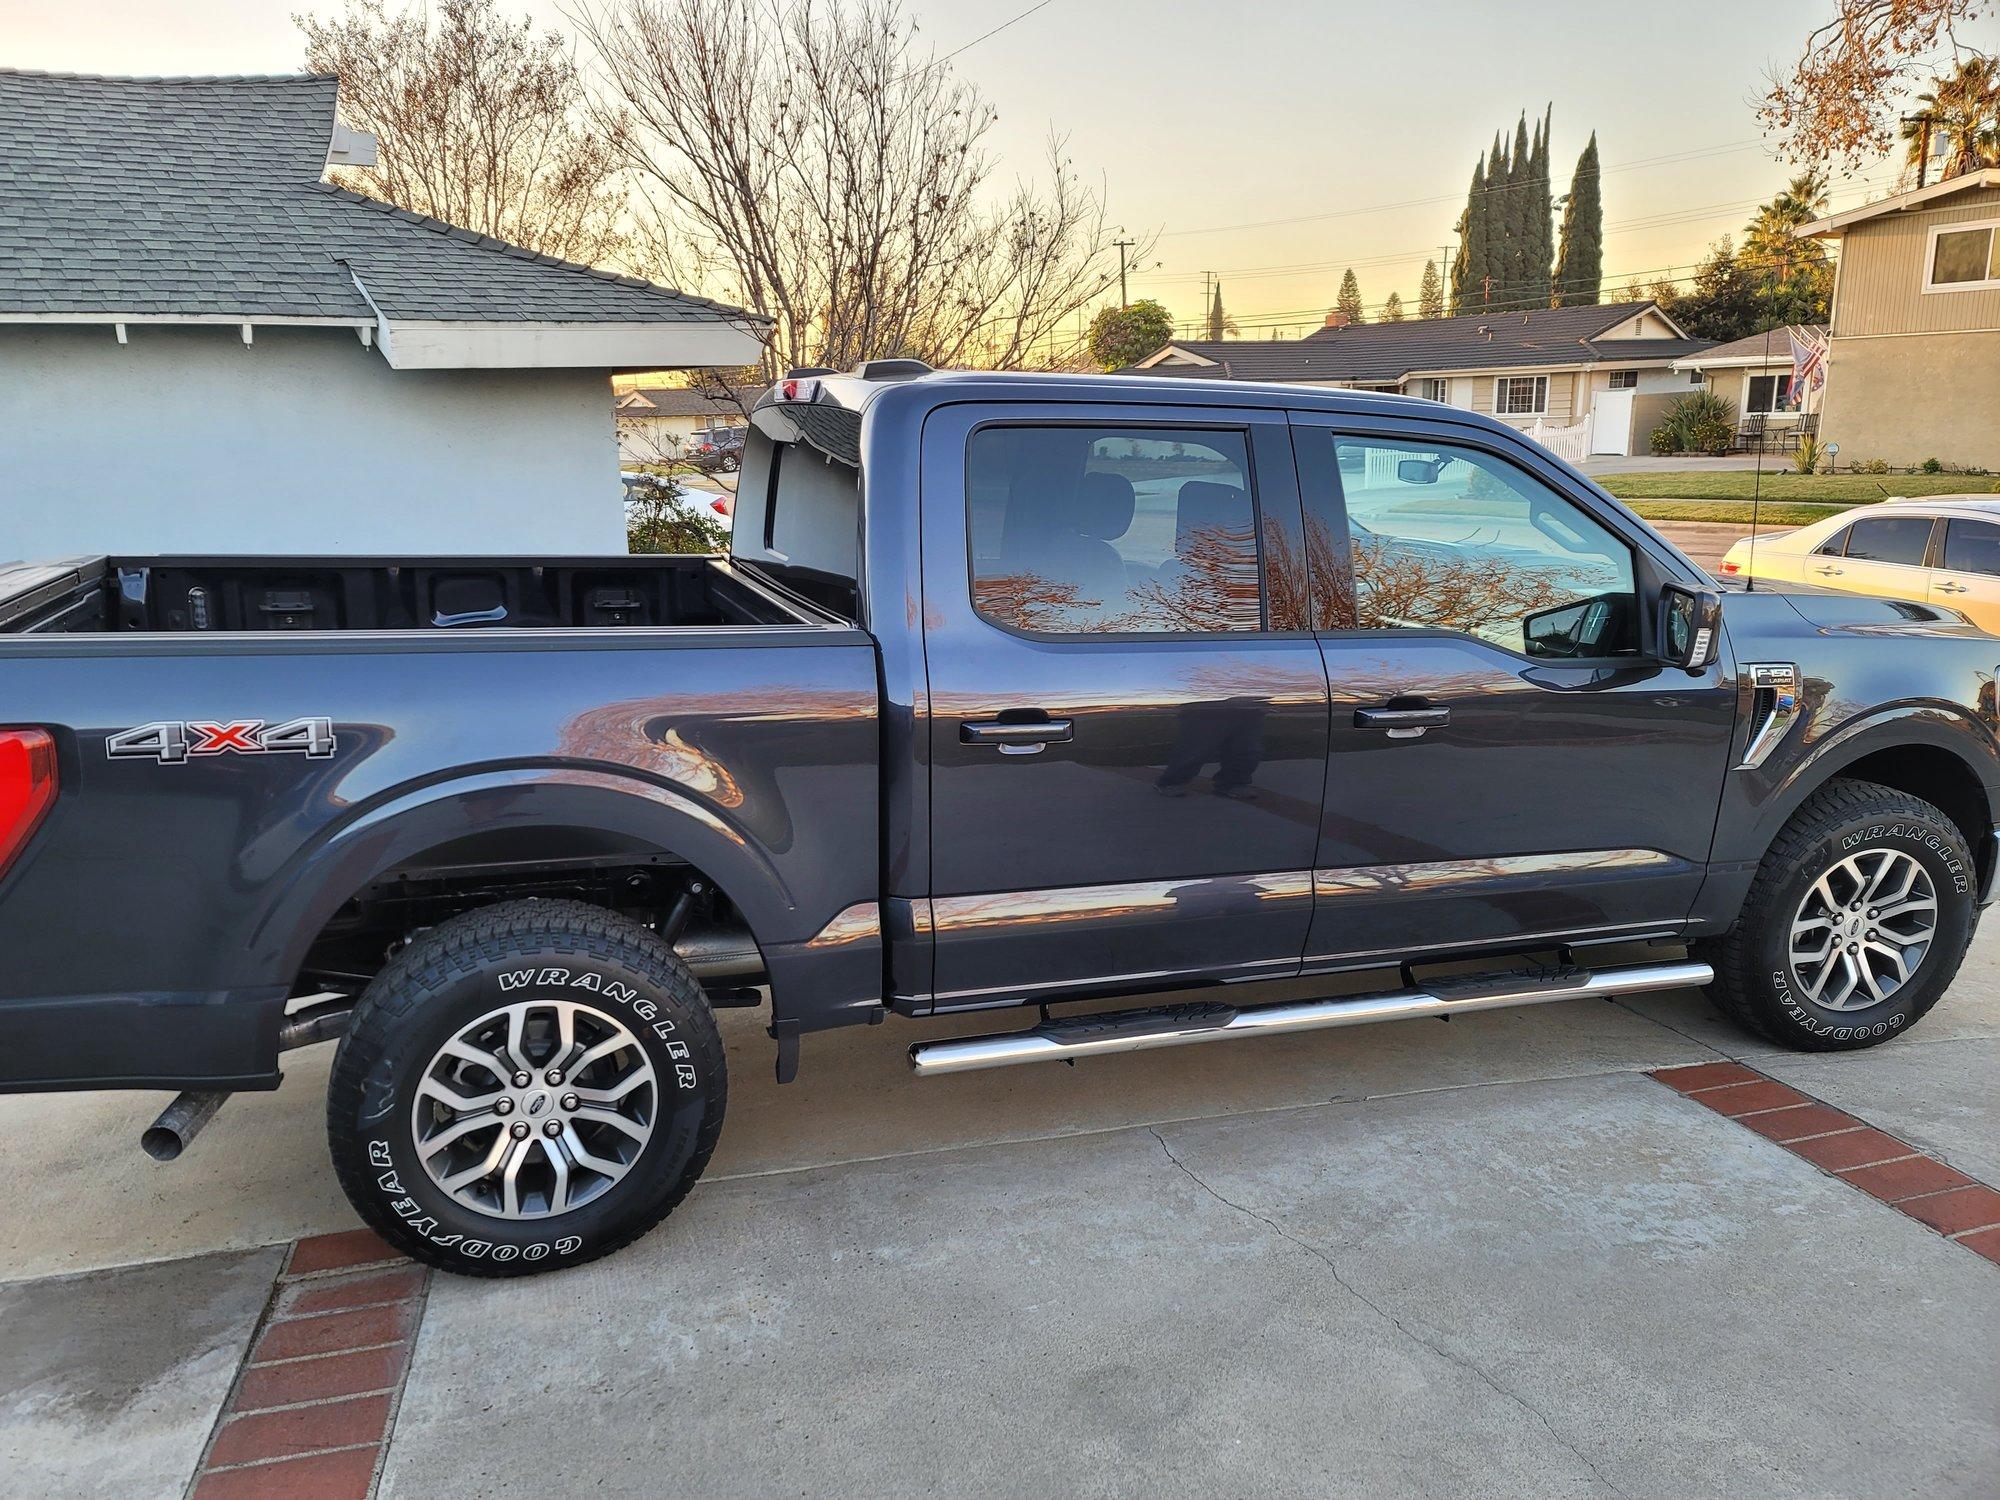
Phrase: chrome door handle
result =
(1829, 572)
(1402, 723)
(1951, 588)
(1016, 736)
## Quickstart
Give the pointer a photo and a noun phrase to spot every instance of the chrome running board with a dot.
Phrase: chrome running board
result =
(1183, 1025)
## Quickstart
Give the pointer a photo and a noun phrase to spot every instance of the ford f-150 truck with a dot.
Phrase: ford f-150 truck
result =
(1013, 691)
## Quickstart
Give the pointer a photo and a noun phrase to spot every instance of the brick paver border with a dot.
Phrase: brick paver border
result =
(1961, 1208)
(313, 1405)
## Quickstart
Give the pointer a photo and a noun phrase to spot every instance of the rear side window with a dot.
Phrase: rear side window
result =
(1972, 547)
(1890, 539)
(1101, 530)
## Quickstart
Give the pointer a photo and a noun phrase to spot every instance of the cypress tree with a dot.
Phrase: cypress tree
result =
(1430, 295)
(1392, 310)
(1579, 270)
(1520, 214)
(1215, 319)
(1349, 300)
(1541, 246)
(1470, 266)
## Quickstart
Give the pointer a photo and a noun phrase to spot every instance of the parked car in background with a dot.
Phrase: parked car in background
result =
(1943, 550)
(715, 448)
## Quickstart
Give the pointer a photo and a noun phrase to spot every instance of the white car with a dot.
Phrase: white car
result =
(1943, 550)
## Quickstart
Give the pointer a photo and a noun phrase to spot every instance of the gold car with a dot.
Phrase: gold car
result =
(1943, 550)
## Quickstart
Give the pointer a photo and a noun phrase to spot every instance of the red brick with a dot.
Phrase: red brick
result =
(1706, 1076)
(333, 1294)
(1783, 1125)
(340, 1252)
(319, 1379)
(324, 1476)
(1748, 1098)
(301, 1429)
(1955, 1212)
(1894, 1181)
(332, 1332)
(1851, 1148)
(1986, 1243)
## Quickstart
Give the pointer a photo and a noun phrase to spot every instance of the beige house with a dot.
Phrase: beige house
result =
(654, 421)
(1611, 364)
(1755, 376)
(1913, 367)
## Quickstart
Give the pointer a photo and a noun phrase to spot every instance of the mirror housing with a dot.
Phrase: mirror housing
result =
(1690, 627)
(1419, 470)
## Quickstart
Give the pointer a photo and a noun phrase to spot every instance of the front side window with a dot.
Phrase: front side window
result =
(1965, 258)
(1890, 539)
(1972, 547)
(1521, 395)
(1772, 393)
(1096, 530)
(1449, 538)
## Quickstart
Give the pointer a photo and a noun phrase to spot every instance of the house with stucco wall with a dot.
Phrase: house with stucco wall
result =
(300, 369)
(1913, 352)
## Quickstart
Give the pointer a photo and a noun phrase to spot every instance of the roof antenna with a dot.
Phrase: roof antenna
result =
(1757, 485)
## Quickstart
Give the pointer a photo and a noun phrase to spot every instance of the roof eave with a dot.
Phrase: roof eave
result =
(1832, 224)
(683, 343)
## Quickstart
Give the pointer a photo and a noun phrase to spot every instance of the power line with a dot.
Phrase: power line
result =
(984, 35)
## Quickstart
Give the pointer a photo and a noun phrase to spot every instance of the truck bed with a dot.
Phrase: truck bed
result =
(97, 595)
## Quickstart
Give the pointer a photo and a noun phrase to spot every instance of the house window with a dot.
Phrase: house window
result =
(1624, 380)
(1695, 377)
(1964, 257)
(1772, 393)
(1434, 390)
(1521, 395)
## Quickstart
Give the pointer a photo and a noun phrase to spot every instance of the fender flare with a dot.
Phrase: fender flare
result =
(394, 828)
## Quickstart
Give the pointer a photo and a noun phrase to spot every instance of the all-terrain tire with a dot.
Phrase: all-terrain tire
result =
(542, 960)
(1758, 985)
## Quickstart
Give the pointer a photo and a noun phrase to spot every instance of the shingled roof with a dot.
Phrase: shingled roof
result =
(200, 198)
(1388, 352)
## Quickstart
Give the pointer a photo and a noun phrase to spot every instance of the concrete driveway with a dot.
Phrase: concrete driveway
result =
(1495, 1256)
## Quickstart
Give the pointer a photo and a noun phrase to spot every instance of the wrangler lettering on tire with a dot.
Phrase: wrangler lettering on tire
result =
(526, 1086)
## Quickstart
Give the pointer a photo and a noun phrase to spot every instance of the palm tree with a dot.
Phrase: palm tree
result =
(1769, 239)
(1958, 120)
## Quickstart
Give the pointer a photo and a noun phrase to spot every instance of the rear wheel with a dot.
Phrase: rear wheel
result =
(527, 1086)
(1856, 922)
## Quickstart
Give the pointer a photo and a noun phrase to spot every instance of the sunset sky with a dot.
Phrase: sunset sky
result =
(1275, 144)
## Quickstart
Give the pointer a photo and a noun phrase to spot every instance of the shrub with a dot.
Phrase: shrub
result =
(1699, 422)
(1807, 457)
(1869, 466)
(1664, 442)
(1931, 466)
(660, 517)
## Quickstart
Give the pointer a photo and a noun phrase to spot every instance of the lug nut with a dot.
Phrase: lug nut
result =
(519, 1130)
(504, 1107)
(553, 1128)
(570, 1101)
(555, 1077)
(522, 1080)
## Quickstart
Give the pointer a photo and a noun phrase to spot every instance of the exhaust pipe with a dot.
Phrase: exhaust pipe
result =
(179, 1123)
(1182, 1025)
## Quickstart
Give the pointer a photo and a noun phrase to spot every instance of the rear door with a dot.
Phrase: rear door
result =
(1507, 763)
(1128, 726)
(1968, 575)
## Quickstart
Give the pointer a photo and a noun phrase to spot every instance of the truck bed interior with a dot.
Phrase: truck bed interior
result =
(248, 594)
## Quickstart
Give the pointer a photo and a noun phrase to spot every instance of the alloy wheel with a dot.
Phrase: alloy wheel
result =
(1863, 929)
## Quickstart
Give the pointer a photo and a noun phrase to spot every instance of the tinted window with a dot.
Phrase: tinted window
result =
(1105, 529)
(1445, 537)
(1834, 545)
(1972, 547)
(1890, 539)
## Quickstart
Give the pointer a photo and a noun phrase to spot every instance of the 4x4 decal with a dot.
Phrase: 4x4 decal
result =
(172, 743)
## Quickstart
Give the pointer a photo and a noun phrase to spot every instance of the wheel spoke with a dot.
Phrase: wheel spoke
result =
(430, 1145)
(510, 1178)
(445, 1094)
(559, 1165)
(598, 1051)
(479, 1169)
(612, 1118)
(517, 1036)
(583, 1156)
(617, 1091)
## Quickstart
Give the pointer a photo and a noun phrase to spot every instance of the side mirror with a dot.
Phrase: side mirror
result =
(1690, 627)
(1419, 470)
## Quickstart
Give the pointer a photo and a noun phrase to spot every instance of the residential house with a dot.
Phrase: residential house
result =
(653, 421)
(1913, 354)
(1755, 376)
(1611, 363)
(299, 368)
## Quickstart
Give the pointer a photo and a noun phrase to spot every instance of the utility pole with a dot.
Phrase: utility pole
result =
(1923, 122)
(1123, 246)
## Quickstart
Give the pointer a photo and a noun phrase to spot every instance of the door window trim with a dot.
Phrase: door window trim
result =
(1333, 431)
(1254, 488)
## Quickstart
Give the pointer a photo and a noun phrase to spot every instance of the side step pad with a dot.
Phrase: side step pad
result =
(1182, 1025)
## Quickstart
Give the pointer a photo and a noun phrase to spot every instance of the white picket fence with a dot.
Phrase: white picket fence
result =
(1571, 443)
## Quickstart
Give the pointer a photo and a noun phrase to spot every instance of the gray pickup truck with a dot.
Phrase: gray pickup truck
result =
(1014, 691)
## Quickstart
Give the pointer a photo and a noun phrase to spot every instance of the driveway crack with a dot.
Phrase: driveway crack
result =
(1401, 1325)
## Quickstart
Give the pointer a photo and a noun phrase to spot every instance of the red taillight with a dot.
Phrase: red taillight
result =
(1730, 567)
(27, 787)
(722, 505)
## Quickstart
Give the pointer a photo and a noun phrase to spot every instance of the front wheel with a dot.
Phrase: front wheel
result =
(527, 1086)
(1855, 924)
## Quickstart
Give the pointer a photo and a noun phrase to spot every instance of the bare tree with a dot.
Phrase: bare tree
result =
(802, 158)
(481, 123)
(1840, 100)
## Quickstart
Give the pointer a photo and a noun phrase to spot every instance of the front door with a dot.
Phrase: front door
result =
(1127, 714)
(1506, 761)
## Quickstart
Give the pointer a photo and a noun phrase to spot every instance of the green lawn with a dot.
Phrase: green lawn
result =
(1783, 484)
(1735, 512)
